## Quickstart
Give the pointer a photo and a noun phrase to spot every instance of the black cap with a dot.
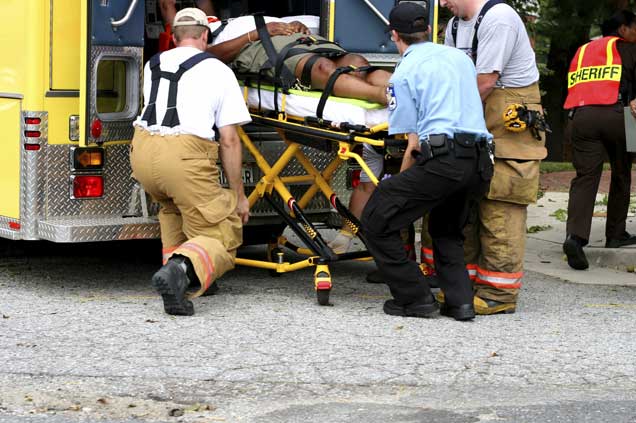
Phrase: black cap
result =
(403, 16)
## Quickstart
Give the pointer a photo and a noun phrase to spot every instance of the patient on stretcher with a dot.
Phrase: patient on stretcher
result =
(312, 60)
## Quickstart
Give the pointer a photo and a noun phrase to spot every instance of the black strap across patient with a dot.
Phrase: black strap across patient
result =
(284, 78)
(331, 82)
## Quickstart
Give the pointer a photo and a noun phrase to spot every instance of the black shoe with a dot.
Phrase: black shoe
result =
(462, 313)
(171, 281)
(625, 239)
(375, 276)
(212, 290)
(573, 249)
(420, 308)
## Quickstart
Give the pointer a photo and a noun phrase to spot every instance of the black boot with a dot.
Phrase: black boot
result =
(573, 249)
(625, 239)
(422, 307)
(171, 281)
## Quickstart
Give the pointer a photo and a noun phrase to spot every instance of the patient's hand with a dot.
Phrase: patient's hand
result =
(299, 27)
(279, 28)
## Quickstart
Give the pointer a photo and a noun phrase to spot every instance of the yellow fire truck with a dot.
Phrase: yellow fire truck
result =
(70, 89)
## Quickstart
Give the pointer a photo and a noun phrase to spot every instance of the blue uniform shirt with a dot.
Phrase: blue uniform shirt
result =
(434, 91)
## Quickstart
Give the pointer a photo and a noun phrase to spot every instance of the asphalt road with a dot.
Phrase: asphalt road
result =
(83, 338)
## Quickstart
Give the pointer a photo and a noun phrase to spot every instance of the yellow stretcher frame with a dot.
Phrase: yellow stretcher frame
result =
(318, 253)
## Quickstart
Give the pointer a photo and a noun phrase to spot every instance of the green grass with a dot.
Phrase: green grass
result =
(561, 215)
(603, 201)
(550, 167)
(538, 228)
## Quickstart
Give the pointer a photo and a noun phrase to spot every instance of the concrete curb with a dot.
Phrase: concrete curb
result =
(544, 254)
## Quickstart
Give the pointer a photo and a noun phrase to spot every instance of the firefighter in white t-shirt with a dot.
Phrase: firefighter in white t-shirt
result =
(174, 156)
(492, 34)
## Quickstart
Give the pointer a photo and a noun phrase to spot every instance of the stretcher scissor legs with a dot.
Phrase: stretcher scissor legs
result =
(273, 186)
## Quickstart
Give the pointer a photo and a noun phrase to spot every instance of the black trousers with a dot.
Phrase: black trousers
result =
(596, 130)
(445, 186)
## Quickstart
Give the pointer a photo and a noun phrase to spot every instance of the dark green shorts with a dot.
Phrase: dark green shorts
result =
(253, 56)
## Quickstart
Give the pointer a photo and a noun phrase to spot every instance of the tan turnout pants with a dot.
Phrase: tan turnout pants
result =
(495, 243)
(197, 217)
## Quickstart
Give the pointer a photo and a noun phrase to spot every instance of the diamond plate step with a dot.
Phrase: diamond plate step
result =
(97, 228)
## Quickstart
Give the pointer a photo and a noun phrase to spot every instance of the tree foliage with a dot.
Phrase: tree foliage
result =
(560, 28)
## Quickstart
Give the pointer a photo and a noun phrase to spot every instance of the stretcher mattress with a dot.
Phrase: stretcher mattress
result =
(304, 104)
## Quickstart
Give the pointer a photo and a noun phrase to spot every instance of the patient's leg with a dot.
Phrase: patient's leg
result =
(379, 77)
(346, 85)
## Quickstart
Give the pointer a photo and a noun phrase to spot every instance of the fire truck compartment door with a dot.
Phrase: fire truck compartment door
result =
(108, 28)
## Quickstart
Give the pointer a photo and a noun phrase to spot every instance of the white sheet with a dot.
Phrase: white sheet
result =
(336, 110)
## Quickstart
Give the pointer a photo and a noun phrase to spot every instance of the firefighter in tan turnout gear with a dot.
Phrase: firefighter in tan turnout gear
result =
(174, 156)
(494, 36)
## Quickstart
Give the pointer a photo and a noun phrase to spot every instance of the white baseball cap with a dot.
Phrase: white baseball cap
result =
(196, 18)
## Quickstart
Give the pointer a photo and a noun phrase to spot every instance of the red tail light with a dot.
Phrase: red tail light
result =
(32, 120)
(96, 128)
(88, 186)
(32, 134)
(354, 178)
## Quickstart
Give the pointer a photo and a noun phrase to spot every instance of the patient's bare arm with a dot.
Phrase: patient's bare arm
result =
(228, 50)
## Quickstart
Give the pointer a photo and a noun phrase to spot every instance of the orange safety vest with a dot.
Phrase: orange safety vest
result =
(595, 74)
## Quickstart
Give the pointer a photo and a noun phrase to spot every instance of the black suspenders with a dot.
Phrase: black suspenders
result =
(455, 24)
(171, 118)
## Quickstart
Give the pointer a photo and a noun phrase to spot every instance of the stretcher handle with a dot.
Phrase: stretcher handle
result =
(337, 125)
(395, 142)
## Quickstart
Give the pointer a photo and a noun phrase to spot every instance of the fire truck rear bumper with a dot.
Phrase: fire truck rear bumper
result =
(97, 228)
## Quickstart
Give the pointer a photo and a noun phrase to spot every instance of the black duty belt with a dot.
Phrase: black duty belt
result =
(462, 145)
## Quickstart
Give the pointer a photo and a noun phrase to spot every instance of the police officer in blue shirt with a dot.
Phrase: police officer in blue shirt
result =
(447, 165)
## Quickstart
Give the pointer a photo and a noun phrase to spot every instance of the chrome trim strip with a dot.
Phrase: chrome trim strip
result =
(12, 95)
(63, 93)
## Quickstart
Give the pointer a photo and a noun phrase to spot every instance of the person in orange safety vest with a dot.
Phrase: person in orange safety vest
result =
(168, 10)
(600, 84)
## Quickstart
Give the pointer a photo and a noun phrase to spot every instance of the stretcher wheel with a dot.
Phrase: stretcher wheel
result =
(322, 282)
(322, 295)
(274, 255)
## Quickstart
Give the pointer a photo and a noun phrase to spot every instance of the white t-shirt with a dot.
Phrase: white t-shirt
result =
(504, 46)
(208, 95)
(236, 27)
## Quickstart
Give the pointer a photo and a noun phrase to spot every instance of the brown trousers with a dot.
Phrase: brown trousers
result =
(495, 239)
(597, 130)
(197, 217)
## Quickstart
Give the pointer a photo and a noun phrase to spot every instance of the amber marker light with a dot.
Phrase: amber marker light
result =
(91, 158)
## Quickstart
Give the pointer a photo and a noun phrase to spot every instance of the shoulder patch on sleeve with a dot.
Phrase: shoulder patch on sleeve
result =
(391, 99)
